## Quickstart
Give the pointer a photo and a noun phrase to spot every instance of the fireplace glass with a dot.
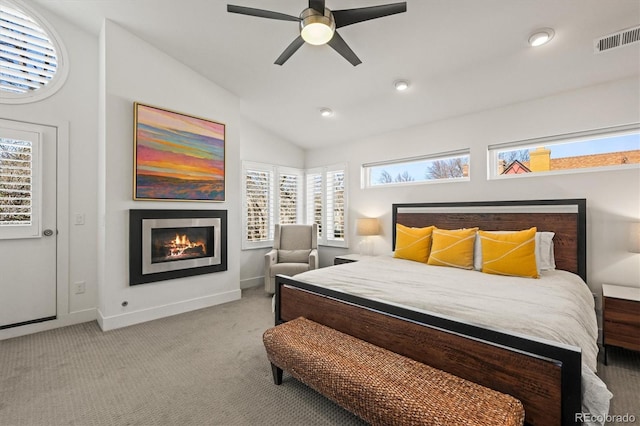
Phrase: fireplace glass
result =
(170, 244)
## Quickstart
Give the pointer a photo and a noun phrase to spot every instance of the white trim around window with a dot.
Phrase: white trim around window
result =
(270, 194)
(20, 181)
(35, 59)
(451, 166)
(326, 203)
(604, 149)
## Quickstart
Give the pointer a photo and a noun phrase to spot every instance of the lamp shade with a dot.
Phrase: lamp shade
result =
(367, 226)
(634, 237)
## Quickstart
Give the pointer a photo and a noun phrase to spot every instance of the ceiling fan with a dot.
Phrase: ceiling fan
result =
(318, 24)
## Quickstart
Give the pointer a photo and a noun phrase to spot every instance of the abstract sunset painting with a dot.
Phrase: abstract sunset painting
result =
(177, 156)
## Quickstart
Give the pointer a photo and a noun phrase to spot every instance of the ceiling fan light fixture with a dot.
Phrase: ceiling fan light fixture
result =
(317, 25)
(401, 85)
(541, 36)
(317, 28)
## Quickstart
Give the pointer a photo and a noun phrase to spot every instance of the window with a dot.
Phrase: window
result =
(601, 149)
(443, 167)
(258, 209)
(271, 194)
(31, 58)
(326, 204)
(19, 184)
(289, 193)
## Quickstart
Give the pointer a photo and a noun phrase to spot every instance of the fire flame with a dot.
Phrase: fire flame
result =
(181, 243)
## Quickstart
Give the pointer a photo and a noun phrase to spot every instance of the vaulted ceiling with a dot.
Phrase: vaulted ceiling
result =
(459, 56)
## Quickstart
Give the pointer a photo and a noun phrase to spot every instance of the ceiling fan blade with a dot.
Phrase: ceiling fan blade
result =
(290, 50)
(340, 46)
(318, 5)
(352, 16)
(261, 13)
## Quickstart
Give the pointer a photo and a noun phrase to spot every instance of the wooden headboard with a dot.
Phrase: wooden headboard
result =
(566, 217)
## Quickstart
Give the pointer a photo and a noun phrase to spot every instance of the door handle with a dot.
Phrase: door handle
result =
(48, 232)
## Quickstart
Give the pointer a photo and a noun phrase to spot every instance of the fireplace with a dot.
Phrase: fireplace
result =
(169, 244)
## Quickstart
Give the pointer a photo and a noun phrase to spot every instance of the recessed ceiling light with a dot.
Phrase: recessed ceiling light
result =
(541, 36)
(401, 85)
(326, 112)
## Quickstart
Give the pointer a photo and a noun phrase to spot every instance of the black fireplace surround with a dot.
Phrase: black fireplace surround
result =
(169, 244)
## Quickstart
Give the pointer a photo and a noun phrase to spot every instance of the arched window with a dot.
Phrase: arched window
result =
(32, 59)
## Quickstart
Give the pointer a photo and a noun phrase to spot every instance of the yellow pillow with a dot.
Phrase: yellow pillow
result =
(413, 243)
(509, 254)
(453, 248)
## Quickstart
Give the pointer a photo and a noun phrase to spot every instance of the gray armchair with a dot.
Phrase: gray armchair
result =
(295, 250)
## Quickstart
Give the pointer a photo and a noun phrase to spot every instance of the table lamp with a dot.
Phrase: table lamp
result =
(366, 227)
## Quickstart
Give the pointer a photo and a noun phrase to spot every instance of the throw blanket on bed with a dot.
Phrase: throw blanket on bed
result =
(557, 307)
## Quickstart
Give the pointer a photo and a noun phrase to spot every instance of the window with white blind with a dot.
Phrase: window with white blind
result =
(289, 192)
(258, 208)
(326, 203)
(315, 196)
(19, 184)
(31, 56)
(271, 194)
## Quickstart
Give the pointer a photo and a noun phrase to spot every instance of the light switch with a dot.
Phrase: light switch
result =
(78, 219)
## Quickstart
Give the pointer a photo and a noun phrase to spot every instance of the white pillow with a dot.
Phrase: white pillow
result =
(545, 259)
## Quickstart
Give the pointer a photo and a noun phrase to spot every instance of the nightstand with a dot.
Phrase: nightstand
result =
(621, 317)
(348, 258)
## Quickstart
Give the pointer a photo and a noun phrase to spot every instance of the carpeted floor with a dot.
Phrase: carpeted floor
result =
(622, 376)
(206, 367)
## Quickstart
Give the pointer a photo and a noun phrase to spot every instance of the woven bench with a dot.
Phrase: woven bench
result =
(380, 386)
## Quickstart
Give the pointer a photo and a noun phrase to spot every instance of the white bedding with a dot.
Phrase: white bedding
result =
(557, 307)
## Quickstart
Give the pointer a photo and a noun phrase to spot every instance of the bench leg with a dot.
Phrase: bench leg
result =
(277, 374)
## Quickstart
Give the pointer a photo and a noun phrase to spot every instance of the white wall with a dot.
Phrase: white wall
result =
(613, 197)
(259, 145)
(132, 70)
(75, 105)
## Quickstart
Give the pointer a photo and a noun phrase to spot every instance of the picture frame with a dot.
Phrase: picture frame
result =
(177, 157)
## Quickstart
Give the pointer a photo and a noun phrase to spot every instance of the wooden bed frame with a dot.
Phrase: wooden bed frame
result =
(544, 375)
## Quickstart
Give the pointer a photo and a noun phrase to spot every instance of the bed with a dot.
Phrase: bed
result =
(533, 339)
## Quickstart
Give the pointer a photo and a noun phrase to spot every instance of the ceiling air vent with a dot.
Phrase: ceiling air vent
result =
(619, 39)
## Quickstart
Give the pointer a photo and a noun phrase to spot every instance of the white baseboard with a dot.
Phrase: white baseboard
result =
(62, 321)
(251, 282)
(144, 315)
